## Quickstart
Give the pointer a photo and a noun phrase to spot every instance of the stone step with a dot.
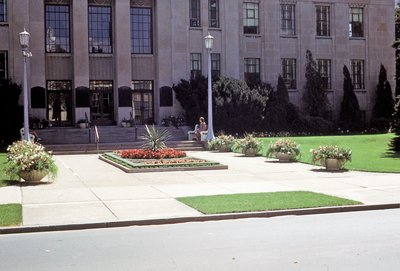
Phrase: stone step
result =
(107, 134)
(62, 149)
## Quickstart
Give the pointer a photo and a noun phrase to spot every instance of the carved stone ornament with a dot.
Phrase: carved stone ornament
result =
(288, 1)
(57, 2)
(100, 2)
(142, 3)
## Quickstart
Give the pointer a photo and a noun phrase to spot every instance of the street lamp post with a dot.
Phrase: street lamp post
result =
(208, 40)
(24, 40)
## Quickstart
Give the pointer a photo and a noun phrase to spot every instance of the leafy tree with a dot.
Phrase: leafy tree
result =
(383, 108)
(11, 114)
(350, 113)
(238, 108)
(396, 125)
(315, 101)
(396, 45)
(193, 97)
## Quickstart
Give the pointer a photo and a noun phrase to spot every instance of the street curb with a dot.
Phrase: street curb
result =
(204, 218)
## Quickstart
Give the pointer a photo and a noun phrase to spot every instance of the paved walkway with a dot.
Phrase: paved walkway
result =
(88, 190)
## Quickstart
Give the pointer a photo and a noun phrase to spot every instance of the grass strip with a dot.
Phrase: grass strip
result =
(369, 152)
(5, 180)
(10, 214)
(263, 202)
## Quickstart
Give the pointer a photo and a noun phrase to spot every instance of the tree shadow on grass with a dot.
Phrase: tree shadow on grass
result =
(391, 154)
(4, 183)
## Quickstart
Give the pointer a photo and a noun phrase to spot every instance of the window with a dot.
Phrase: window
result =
(215, 65)
(250, 20)
(252, 70)
(100, 30)
(194, 13)
(141, 31)
(59, 102)
(57, 29)
(288, 22)
(195, 65)
(213, 13)
(3, 65)
(323, 21)
(356, 22)
(324, 68)
(357, 73)
(3, 10)
(289, 72)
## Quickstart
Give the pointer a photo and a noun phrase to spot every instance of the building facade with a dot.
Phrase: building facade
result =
(110, 59)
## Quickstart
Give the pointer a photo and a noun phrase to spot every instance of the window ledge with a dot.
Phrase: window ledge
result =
(53, 54)
(3, 23)
(360, 90)
(195, 28)
(100, 55)
(357, 38)
(142, 55)
(323, 37)
(289, 36)
(253, 36)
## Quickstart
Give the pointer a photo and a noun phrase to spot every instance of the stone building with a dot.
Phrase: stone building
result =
(107, 59)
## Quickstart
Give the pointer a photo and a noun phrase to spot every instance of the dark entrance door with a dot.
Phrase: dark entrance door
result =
(101, 102)
(142, 99)
(59, 103)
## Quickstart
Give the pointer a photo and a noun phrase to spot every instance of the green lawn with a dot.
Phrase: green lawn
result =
(369, 152)
(4, 178)
(10, 214)
(262, 202)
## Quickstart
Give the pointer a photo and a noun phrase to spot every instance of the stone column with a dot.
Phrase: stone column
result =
(80, 51)
(122, 54)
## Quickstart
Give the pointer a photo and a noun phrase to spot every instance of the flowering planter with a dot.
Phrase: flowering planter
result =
(332, 164)
(285, 157)
(250, 152)
(224, 148)
(33, 176)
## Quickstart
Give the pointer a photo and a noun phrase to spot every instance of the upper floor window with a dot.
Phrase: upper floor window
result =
(250, 18)
(100, 29)
(324, 68)
(57, 29)
(215, 65)
(323, 21)
(195, 65)
(288, 22)
(141, 31)
(194, 13)
(356, 28)
(252, 70)
(3, 10)
(213, 13)
(3, 65)
(357, 73)
(289, 72)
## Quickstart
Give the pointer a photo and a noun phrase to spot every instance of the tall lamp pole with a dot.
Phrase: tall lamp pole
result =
(208, 40)
(24, 40)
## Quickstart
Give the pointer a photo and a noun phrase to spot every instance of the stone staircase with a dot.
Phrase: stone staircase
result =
(68, 140)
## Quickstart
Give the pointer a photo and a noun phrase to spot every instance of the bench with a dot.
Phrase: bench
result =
(192, 134)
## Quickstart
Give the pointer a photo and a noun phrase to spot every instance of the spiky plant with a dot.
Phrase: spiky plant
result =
(155, 138)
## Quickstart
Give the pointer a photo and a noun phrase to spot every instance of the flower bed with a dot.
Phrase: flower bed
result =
(135, 165)
(149, 154)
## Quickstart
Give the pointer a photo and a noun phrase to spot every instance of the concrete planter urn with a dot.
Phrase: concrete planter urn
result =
(224, 148)
(33, 176)
(285, 157)
(83, 125)
(125, 124)
(332, 164)
(250, 152)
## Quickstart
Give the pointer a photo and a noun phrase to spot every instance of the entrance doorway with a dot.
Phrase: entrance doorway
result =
(142, 102)
(101, 102)
(59, 103)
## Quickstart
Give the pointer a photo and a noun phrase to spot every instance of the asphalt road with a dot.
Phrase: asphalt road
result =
(350, 241)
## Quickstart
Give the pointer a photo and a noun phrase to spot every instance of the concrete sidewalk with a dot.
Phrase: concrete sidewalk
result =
(88, 190)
